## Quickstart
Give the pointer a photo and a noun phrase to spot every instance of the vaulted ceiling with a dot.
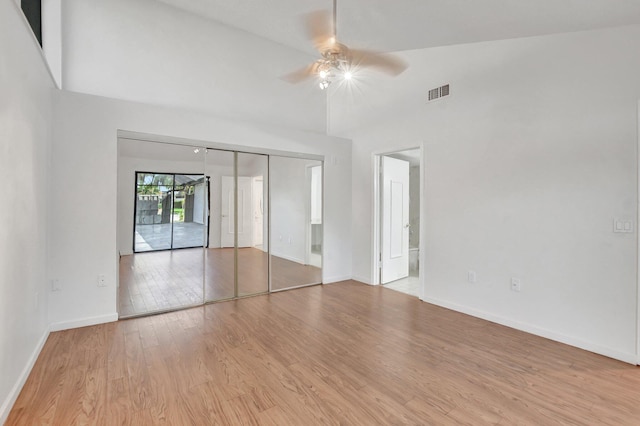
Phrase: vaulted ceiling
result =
(227, 57)
(385, 25)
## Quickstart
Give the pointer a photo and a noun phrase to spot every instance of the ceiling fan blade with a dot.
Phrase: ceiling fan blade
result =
(301, 74)
(385, 62)
(319, 28)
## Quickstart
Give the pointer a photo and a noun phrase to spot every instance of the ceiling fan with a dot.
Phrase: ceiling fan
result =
(338, 60)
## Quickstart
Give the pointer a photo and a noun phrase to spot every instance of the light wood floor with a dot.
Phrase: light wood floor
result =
(164, 280)
(344, 353)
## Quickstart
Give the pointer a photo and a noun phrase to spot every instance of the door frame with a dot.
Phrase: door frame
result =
(637, 234)
(308, 212)
(377, 217)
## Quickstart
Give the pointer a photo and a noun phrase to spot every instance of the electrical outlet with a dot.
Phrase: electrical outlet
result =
(516, 284)
(471, 276)
(102, 281)
(55, 285)
(622, 225)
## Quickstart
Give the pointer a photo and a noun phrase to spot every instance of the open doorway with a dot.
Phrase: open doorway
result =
(398, 227)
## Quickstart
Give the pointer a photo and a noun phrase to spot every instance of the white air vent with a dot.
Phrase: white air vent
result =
(439, 92)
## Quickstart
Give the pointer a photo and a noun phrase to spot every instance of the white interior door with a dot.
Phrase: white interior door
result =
(244, 212)
(395, 219)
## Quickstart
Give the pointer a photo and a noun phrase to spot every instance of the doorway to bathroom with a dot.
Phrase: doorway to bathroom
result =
(398, 208)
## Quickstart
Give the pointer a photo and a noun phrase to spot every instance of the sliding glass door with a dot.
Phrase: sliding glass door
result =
(169, 211)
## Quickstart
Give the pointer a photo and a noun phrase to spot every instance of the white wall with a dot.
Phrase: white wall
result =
(84, 161)
(25, 135)
(148, 51)
(526, 165)
(199, 200)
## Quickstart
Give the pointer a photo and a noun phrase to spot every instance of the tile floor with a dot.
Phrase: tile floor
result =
(158, 236)
(408, 285)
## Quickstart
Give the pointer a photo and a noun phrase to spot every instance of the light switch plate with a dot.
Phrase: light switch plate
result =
(622, 225)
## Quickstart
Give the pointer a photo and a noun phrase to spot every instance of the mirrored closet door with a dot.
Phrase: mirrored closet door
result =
(199, 225)
(253, 224)
(161, 227)
(296, 222)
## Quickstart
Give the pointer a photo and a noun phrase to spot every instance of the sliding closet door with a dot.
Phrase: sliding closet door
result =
(160, 230)
(219, 271)
(296, 222)
(252, 230)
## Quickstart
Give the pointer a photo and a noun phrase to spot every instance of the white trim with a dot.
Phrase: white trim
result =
(336, 279)
(7, 405)
(244, 149)
(375, 216)
(290, 258)
(637, 237)
(83, 322)
(422, 230)
(532, 329)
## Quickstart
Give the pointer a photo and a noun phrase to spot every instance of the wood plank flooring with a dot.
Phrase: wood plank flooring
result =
(164, 280)
(344, 353)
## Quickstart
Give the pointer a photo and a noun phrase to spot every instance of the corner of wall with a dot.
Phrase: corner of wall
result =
(7, 404)
(83, 322)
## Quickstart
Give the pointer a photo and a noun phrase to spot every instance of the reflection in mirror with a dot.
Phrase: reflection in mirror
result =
(296, 222)
(161, 192)
(253, 236)
(219, 273)
(168, 211)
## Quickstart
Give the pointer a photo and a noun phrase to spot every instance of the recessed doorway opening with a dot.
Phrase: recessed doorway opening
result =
(397, 221)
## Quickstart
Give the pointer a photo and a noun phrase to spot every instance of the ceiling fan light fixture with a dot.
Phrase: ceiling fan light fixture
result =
(337, 61)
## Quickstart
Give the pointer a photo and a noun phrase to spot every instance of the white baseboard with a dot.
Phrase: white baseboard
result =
(7, 404)
(329, 280)
(362, 279)
(291, 258)
(532, 329)
(84, 322)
